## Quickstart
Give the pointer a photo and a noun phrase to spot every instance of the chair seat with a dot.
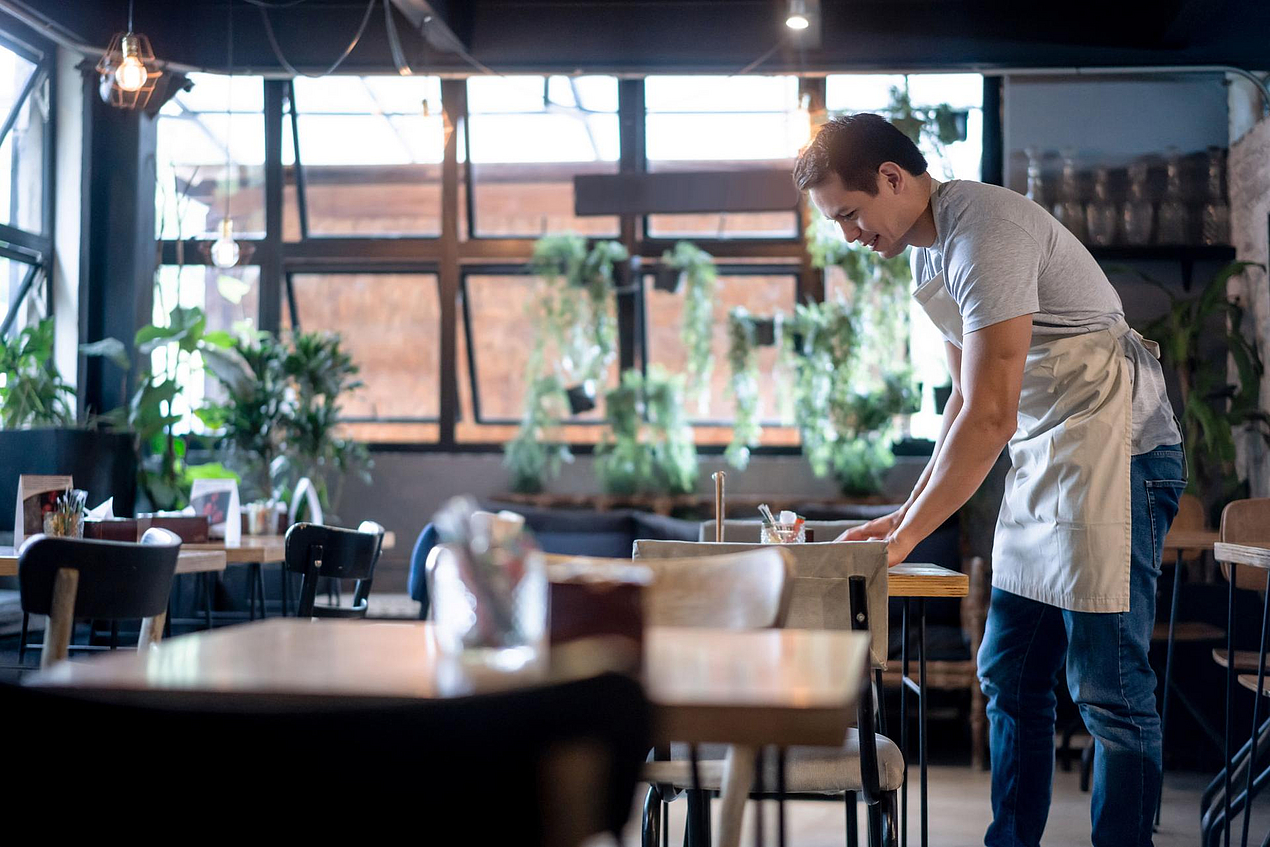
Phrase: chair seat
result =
(1245, 660)
(1186, 631)
(808, 770)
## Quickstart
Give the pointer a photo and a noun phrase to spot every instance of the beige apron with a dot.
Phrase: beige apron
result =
(1063, 535)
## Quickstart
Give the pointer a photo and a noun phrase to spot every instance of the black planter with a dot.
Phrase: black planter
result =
(101, 463)
(669, 280)
(942, 393)
(764, 332)
(581, 398)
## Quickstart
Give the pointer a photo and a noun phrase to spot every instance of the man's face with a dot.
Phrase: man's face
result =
(879, 222)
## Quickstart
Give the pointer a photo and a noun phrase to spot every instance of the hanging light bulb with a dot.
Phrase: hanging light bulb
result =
(797, 18)
(225, 252)
(128, 69)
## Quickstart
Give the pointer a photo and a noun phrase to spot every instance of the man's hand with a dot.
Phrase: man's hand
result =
(876, 528)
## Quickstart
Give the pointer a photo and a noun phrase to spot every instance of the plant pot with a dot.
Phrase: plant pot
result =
(942, 393)
(670, 280)
(101, 463)
(581, 397)
(764, 331)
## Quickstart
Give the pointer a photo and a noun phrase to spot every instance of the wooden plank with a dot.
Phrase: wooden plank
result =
(61, 619)
(770, 189)
(744, 687)
(1242, 554)
(1190, 540)
(1249, 681)
(912, 579)
(190, 561)
(265, 549)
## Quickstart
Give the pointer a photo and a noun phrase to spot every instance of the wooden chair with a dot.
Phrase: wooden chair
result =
(832, 589)
(69, 578)
(317, 551)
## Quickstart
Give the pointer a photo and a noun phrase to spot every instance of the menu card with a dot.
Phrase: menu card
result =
(217, 500)
(37, 495)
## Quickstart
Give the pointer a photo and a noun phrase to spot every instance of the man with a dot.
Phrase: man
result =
(1042, 361)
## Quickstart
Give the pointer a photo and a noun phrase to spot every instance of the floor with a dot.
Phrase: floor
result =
(959, 814)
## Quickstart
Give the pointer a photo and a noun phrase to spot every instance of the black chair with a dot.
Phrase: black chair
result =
(315, 551)
(69, 578)
(549, 765)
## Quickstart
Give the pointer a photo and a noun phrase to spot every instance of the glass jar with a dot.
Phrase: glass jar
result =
(1173, 221)
(1215, 216)
(1137, 215)
(1100, 214)
(64, 525)
(783, 533)
(490, 608)
(1069, 209)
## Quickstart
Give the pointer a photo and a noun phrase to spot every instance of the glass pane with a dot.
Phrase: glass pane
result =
(529, 137)
(230, 300)
(11, 274)
(710, 123)
(762, 295)
(371, 148)
(22, 148)
(210, 153)
(391, 325)
(499, 309)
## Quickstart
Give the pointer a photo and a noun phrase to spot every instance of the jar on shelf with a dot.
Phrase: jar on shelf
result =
(1173, 221)
(1100, 214)
(1215, 216)
(1069, 209)
(1137, 215)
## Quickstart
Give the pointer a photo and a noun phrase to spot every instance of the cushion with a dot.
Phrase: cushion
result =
(808, 770)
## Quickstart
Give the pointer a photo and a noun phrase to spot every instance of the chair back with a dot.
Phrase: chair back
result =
(117, 580)
(821, 597)
(748, 531)
(317, 551)
(1246, 522)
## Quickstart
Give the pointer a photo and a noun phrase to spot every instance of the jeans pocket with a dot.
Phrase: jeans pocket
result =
(1163, 498)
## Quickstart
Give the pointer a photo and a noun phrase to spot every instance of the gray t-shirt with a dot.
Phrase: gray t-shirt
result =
(1005, 256)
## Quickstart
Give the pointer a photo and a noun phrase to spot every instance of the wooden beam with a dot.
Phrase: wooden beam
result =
(694, 191)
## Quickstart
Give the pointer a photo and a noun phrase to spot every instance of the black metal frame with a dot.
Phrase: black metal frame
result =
(453, 259)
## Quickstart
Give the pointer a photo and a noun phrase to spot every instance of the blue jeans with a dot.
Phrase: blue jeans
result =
(1110, 679)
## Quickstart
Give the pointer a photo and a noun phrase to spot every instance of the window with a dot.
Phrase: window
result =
(371, 150)
(229, 298)
(211, 159)
(391, 326)
(848, 93)
(528, 137)
(711, 123)
(500, 304)
(763, 292)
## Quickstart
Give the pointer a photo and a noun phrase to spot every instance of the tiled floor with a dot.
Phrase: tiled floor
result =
(959, 815)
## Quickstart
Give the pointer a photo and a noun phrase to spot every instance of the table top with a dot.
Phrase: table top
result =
(1190, 539)
(913, 579)
(190, 561)
(265, 549)
(706, 685)
(1243, 554)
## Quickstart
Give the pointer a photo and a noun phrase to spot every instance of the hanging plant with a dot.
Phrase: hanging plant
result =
(649, 446)
(743, 362)
(534, 454)
(694, 272)
(938, 125)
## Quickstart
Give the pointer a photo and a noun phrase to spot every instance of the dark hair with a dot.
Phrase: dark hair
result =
(854, 147)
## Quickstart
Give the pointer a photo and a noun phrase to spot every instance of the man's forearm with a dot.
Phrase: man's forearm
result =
(969, 451)
(951, 409)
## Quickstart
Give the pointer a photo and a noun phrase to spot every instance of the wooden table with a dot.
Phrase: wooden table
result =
(745, 688)
(250, 549)
(189, 561)
(920, 582)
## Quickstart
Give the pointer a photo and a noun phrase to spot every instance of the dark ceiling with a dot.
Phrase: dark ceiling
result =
(690, 35)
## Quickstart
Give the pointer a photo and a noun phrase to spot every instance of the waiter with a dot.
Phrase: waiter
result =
(1043, 362)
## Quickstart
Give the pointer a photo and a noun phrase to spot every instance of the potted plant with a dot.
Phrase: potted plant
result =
(649, 446)
(1213, 407)
(743, 385)
(533, 455)
(693, 271)
(39, 433)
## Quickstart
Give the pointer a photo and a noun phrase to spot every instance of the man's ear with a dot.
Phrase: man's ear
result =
(891, 177)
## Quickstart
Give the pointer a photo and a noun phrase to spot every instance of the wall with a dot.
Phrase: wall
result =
(67, 193)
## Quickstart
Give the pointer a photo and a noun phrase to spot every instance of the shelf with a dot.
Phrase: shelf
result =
(1164, 253)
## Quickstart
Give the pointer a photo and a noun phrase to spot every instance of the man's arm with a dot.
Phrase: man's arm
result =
(991, 377)
(885, 525)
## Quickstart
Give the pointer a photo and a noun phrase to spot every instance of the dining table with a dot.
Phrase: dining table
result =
(749, 689)
(188, 561)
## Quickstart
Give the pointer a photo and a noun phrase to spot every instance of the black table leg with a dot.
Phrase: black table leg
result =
(207, 599)
(904, 722)
(1230, 697)
(1256, 710)
(921, 710)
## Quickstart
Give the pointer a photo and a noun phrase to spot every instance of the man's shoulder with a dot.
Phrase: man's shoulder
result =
(970, 200)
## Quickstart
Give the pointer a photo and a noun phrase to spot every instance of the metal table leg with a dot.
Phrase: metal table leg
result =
(207, 599)
(921, 710)
(1168, 678)
(904, 722)
(1230, 697)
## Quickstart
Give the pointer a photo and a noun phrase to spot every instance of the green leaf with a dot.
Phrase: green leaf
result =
(228, 366)
(218, 338)
(232, 288)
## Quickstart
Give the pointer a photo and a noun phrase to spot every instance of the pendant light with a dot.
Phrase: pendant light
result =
(797, 18)
(128, 69)
(224, 252)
